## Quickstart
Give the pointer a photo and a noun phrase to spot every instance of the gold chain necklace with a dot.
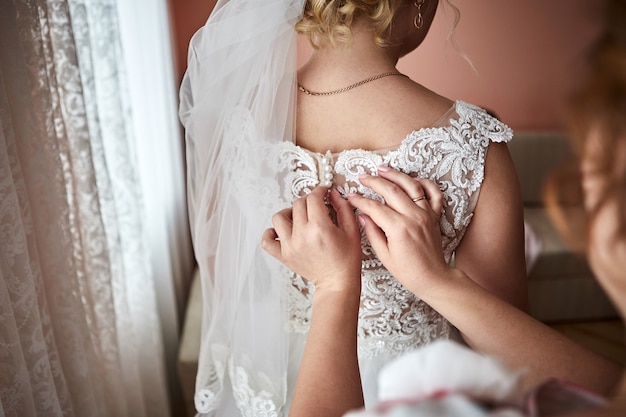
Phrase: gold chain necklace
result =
(350, 87)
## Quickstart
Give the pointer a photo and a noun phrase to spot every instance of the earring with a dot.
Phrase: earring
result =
(418, 22)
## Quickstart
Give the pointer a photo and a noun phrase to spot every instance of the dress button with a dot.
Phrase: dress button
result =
(327, 169)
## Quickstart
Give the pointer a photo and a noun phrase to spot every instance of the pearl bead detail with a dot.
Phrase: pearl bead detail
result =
(327, 169)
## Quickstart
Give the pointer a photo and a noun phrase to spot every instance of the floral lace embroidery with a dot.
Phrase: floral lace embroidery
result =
(205, 400)
(246, 169)
(251, 403)
(391, 319)
(299, 296)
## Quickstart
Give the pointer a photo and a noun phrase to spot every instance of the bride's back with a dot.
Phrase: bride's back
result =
(376, 115)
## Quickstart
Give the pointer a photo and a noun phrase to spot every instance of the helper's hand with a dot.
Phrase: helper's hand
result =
(306, 240)
(404, 232)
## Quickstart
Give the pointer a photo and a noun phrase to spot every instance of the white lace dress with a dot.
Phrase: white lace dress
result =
(391, 319)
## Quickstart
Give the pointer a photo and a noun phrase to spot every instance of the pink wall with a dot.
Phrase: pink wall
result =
(186, 17)
(527, 53)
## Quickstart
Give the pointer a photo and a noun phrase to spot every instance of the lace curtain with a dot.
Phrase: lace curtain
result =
(79, 328)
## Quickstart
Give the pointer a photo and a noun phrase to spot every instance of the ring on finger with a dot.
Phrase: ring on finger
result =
(415, 200)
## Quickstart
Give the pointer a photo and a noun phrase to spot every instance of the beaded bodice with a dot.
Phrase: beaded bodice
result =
(391, 319)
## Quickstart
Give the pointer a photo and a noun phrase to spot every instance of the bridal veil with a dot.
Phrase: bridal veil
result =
(237, 104)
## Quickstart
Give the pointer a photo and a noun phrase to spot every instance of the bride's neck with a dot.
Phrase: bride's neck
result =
(360, 59)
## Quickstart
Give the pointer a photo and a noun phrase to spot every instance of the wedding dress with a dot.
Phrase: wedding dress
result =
(452, 153)
(237, 108)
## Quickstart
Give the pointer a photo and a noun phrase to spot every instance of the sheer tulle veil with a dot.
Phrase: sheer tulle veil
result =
(237, 105)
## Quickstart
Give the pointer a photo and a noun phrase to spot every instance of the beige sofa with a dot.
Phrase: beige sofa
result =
(561, 286)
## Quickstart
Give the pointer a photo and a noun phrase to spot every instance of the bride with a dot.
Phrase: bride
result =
(260, 135)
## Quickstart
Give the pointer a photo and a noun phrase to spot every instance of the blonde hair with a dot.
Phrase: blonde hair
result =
(329, 21)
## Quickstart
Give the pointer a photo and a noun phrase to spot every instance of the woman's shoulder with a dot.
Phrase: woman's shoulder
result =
(443, 111)
(471, 119)
(455, 111)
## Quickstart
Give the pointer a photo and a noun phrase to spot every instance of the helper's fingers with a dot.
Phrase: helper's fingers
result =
(271, 244)
(385, 217)
(316, 204)
(400, 191)
(345, 213)
(422, 193)
(300, 211)
(283, 223)
(375, 235)
(434, 194)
